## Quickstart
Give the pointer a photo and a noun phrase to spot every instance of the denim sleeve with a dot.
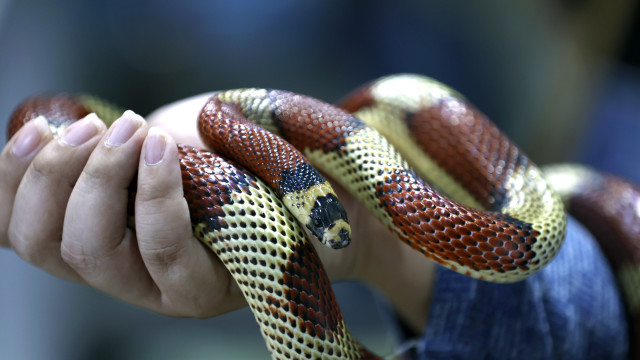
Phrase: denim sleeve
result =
(571, 309)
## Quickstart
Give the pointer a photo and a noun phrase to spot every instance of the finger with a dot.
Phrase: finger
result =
(191, 279)
(97, 243)
(14, 161)
(35, 228)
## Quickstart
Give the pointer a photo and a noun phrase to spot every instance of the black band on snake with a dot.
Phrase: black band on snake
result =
(500, 220)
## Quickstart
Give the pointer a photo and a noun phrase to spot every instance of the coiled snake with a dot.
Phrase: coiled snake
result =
(501, 221)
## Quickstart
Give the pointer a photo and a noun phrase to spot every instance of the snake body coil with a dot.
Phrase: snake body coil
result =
(505, 223)
(522, 233)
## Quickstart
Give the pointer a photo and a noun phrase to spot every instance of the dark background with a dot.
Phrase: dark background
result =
(561, 78)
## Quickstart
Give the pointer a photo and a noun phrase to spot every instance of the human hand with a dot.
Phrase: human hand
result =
(64, 210)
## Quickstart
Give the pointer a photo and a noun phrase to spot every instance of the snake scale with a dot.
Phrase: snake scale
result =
(500, 221)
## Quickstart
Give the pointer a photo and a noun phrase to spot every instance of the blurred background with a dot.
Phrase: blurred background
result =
(561, 78)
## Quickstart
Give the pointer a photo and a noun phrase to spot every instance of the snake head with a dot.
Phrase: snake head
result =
(328, 222)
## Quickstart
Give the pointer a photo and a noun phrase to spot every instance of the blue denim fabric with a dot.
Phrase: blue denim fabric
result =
(569, 310)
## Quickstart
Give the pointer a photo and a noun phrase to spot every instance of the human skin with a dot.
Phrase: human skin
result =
(63, 208)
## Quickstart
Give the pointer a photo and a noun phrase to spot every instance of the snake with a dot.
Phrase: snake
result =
(429, 165)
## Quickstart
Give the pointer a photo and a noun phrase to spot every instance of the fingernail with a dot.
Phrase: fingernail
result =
(30, 137)
(82, 130)
(124, 128)
(154, 147)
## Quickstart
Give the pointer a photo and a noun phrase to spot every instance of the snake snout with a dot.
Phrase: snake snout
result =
(345, 239)
(328, 222)
(337, 236)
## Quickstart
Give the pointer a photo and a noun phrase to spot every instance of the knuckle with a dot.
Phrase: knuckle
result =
(157, 191)
(202, 313)
(97, 172)
(75, 256)
(27, 248)
(55, 164)
(162, 256)
(150, 192)
(197, 306)
(45, 165)
(160, 213)
(108, 168)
